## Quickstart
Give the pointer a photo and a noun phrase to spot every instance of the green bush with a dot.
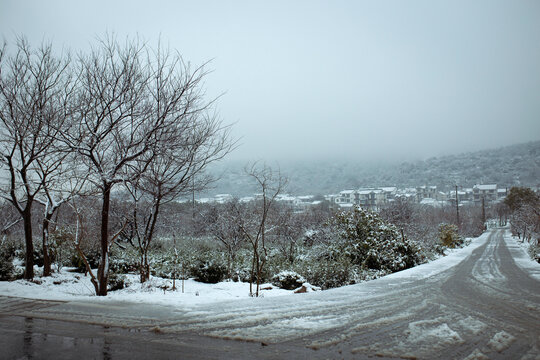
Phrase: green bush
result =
(37, 255)
(92, 257)
(288, 280)
(117, 282)
(330, 274)
(7, 270)
(209, 272)
(449, 237)
(243, 275)
(371, 243)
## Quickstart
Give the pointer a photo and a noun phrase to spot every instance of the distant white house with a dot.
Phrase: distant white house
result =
(423, 192)
(371, 198)
(487, 192)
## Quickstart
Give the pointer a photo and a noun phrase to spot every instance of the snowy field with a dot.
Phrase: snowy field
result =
(70, 286)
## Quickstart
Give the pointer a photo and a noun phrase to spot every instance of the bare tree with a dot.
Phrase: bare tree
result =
(224, 226)
(35, 90)
(141, 121)
(254, 225)
(192, 137)
(288, 230)
(113, 130)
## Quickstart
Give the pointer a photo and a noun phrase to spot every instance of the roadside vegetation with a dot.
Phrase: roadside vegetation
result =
(208, 242)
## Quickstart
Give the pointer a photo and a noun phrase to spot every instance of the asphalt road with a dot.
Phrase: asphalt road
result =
(486, 307)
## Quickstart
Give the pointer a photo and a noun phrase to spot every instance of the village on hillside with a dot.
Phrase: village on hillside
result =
(377, 197)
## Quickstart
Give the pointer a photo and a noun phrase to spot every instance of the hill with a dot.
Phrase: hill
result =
(505, 166)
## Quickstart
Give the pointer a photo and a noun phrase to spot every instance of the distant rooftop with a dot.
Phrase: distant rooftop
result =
(486, 187)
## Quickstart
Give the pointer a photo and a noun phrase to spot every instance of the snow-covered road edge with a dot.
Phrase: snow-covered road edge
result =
(521, 258)
(441, 264)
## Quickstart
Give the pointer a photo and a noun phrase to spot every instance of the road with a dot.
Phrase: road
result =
(485, 307)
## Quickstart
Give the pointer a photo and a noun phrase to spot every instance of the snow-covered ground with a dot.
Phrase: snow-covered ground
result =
(69, 286)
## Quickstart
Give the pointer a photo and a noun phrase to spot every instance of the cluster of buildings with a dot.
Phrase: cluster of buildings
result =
(375, 198)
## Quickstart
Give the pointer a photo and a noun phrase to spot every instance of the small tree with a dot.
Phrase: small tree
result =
(224, 227)
(448, 236)
(524, 206)
(253, 222)
(288, 230)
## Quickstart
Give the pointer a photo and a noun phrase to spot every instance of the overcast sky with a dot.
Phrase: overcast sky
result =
(384, 80)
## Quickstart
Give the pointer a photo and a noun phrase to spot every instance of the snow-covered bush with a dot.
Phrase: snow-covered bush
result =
(123, 262)
(242, 275)
(117, 282)
(371, 243)
(209, 272)
(325, 266)
(534, 252)
(330, 274)
(288, 280)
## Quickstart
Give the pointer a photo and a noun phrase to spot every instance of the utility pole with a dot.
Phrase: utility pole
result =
(484, 210)
(457, 208)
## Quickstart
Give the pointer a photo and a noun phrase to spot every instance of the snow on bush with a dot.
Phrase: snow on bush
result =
(371, 243)
(288, 280)
(209, 272)
(117, 282)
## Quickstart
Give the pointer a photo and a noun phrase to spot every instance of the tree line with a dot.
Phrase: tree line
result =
(121, 117)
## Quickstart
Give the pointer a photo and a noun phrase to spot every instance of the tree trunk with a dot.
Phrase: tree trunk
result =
(46, 258)
(146, 266)
(149, 235)
(142, 278)
(252, 272)
(27, 221)
(103, 268)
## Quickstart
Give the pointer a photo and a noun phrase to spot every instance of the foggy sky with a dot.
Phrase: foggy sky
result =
(379, 80)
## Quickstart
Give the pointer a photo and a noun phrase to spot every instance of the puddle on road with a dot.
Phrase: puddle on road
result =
(31, 338)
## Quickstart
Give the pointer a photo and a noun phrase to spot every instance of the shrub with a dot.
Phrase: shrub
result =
(288, 280)
(209, 272)
(7, 270)
(37, 255)
(534, 252)
(92, 257)
(449, 237)
(370, 243)
(242, 275)
(330, 274)
(117, 282)
(123, 261)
